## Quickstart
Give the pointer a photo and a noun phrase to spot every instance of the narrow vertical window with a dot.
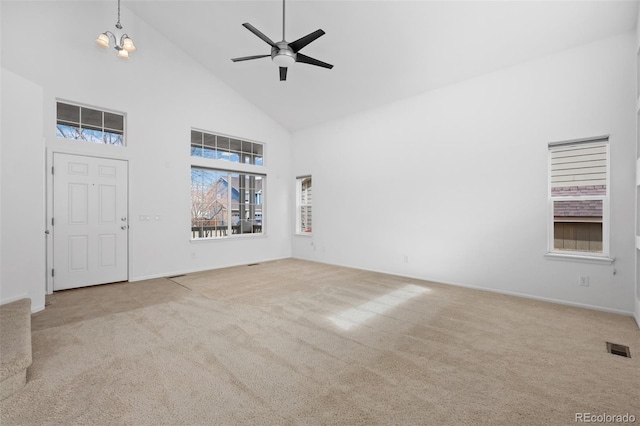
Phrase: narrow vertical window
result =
(579, 197)
(304, 222)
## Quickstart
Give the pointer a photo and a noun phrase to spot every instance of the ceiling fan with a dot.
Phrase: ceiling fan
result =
(283, 53)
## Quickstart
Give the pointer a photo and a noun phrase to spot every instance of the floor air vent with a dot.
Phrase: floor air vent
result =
(616, 349)
(253, 264)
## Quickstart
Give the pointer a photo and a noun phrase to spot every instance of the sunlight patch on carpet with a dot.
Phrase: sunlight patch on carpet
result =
(353, 317)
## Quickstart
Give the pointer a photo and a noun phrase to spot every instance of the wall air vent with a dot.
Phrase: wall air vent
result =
(617, 349)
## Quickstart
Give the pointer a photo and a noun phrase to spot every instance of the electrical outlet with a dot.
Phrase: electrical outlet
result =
(584, 281)
(406, 259)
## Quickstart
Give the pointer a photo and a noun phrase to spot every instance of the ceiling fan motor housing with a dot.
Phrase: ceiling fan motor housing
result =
(282, 55)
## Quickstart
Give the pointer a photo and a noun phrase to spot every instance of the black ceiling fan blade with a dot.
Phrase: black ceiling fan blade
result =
(309, 60)
(259, 34)
(283, 73)
(248, 58)
(303, 41)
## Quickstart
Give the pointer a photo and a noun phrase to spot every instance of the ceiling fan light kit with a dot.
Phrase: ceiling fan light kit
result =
(283, 53)
(124, 45)
(283, 56)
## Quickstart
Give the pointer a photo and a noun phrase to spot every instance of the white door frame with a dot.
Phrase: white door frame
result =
(49, 207)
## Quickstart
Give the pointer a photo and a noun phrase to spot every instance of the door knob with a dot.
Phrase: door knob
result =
(123, 227)
(123, 218)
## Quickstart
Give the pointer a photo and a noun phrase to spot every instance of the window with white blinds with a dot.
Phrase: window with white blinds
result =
(89, 124)
(304, 222)
(219, 147)
(579, 196)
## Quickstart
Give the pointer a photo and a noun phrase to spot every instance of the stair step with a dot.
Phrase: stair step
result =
(15, 346)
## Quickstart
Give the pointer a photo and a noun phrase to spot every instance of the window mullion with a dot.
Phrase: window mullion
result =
(229, 204)
(578, 197)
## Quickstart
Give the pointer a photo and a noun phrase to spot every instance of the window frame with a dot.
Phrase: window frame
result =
(605, 198)
(255, 152)
(219, 165)
(300, 205)
(85, 126)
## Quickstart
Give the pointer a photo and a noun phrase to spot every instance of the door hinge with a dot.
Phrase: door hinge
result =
(52, 272)
(51, 169)
(51, 221)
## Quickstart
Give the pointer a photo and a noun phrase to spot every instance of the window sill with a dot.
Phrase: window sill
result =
(602, 260)
(233, 237)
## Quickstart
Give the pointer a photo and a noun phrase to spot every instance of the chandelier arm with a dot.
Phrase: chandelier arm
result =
(116, 45)
(112, 36)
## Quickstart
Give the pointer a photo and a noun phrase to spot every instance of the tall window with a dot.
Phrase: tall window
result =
(304, 223)
(89, 124)
(227, 202)
(579, 197)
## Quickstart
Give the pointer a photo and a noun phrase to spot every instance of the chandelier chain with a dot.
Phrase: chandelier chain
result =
(118, 25)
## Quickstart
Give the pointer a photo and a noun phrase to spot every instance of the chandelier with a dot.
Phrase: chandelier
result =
(124, 45)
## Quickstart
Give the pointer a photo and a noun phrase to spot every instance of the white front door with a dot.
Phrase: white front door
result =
(90, 222)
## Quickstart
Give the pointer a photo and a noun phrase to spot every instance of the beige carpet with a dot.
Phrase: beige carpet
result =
(293, 342)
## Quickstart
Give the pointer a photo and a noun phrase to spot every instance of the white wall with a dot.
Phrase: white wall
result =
(22, 246)
(455, 180)
(637, 68)
(164, 94)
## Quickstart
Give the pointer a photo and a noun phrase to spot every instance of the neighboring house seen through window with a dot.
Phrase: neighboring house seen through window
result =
(304, 223)
(225, 203)
(579, 197)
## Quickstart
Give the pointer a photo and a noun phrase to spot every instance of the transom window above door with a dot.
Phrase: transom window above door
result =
(89, 124)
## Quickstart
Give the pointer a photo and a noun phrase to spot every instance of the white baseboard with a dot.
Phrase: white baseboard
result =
(636, 316)
(191, 271)
(492, 290)
(34, 309)
(14, 298)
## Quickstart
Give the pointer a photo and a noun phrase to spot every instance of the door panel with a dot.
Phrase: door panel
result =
(78, 249)
(90, 229)
(108, 250)
(107, 204)
(78, 204)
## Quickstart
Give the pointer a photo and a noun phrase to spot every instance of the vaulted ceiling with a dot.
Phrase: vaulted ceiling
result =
(382, 51)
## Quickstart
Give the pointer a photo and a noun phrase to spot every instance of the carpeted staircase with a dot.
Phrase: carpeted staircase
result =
(15, 346)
